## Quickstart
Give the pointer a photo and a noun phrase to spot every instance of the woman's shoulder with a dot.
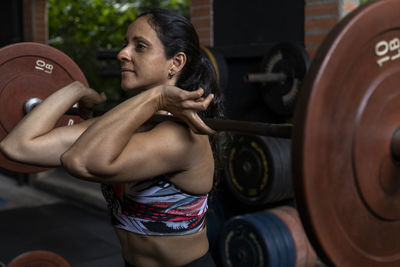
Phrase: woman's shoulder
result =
(198, 175)
(181, 130)
(179, 135)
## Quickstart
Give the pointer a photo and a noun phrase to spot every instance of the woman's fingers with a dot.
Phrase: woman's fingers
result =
(197, 124)
(186, 104)
(202, 128)
(192, 95)
(102, 97)
(87, 103)
(199, 103)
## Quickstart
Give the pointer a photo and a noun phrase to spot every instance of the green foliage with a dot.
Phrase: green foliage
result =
(81, 27)
(364, 1)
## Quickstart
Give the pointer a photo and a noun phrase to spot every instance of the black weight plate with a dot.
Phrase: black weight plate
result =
(292, 60)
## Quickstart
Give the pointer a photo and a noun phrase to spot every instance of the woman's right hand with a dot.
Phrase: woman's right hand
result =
(88, 100)
(185, 105)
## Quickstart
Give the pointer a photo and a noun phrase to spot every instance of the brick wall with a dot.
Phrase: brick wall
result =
(201, 12)
(35, 21)
(320, 17)
(346, 6)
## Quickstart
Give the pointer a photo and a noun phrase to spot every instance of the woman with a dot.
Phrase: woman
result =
(166, 168)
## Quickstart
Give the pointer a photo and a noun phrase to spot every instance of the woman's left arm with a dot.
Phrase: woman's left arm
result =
(111, 151)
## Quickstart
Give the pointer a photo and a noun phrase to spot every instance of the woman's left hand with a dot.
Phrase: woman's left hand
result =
(185, 105)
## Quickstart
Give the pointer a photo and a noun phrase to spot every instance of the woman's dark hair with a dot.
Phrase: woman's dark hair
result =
(177, 34)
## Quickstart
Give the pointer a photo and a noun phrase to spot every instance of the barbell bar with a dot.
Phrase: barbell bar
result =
(265, 77)
(345, 142)
(247, 127)
(256, 128)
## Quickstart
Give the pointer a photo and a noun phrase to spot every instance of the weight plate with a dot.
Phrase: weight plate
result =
(258, 170)
(292, 60)
(240, 246)
(305, 254)
(29, 70)
(256, 239)
(39, 258)
(347, 184)
(283, 240)
(219, 63)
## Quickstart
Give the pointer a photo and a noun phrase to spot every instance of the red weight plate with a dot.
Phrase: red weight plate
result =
(347, 183)
(17, 91)
(29, 70)
(39, 258)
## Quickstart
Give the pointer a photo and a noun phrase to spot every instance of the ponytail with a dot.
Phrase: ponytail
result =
(205, 77)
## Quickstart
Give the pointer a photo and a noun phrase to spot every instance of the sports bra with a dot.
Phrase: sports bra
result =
(155, 207)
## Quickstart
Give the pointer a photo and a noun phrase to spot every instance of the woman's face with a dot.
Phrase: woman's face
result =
(143, 62)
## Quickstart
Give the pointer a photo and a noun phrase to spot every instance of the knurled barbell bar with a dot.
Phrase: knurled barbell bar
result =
(256, 128)
(345, 143)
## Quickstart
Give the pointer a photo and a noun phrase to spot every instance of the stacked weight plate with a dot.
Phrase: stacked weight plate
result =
(292, 60)
(258, 169)
(266, 238)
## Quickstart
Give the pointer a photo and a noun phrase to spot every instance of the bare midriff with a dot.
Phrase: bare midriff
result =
(162, 251)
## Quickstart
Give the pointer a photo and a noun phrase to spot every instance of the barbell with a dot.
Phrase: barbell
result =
(282, 71)
(345, 137)
(257, 128)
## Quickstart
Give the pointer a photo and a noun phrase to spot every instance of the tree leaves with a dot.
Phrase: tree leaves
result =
(81, 27)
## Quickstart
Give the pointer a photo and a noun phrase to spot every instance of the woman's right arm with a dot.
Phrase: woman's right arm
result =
(35, 140)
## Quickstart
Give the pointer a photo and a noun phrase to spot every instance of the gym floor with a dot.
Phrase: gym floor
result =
(70, 221)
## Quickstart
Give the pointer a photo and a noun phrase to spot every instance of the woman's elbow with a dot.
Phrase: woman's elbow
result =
(82, 167)
(10, 150)
(74, 165)
(3, 148)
